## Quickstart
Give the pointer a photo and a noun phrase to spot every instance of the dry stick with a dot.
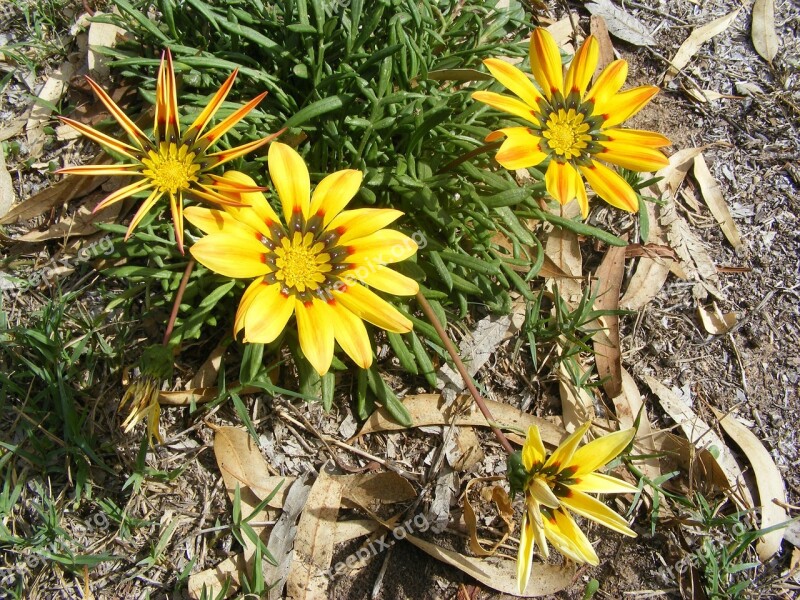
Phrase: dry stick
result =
(426, 308)
(178, 297)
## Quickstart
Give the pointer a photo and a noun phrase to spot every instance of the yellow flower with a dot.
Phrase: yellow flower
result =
(561, 483)
(574, 128)
(142, 393)
(169, 164)
(311, 263)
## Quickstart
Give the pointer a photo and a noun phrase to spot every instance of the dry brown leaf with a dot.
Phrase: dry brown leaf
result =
(240, 461)
(763, 33)
(468, 448)
(628, 404)
(706, 95)
(577, 404)
(769, 482)
(101, 35)
(504, 511)
(206, 375)
(714, 322)
(674, 173)
(599, 29)
(563, 249)
(212, 580)
(12, 128)
(313, 544)
(49, 95)
(702, 467)
(81, 223)
(622, 24)
(608, 358)
(712, 194)
(386, 487)
(7, 196)
(696, 39)
(651, 271)
(562, 31)
(429, 409)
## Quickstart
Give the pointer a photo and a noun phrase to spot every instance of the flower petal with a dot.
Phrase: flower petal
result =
(571, 538)
(129, 126)
(387, 280)
(380, 248)
(351, 335)
(583, 199)
(256, 201)
(360, 222)
(607, 84)
(210, 138)
(148, 203)
(546, 62)
(102, 139)
(582, 68)
(561, 181)
(520, 150)
(515, 80)
(525, 554)
(562, 456)
(610, 186)
(166, 121)
(597, 483)
(196, 128)
(635, 158)
(176, 208)
(623, 106)
(533, 452)
(598, 452)
(101, 170)
(122, 193)
(542, 493)
(593, 509)
(507, 104)
(637, 137)
(245, 302)
(315, 330)
(370, 307)
(333, 193)
(290, 176)
(264, 313)
(212, 221)
(231, 255)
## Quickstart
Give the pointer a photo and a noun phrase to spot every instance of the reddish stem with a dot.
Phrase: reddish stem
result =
(178, 297)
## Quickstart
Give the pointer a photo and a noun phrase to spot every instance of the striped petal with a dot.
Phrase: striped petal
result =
(101, 170)
(266, 313)
(599, 452)
(515, 80)
(290, 176)
(562, 456)
(561, 180)
(507, 104)
(610, 186)
(122, 193)
(211, 138)
(333, 193)
(525, 554)
(219, 158)
(597, 483)
(256, 201)
(520, 150)
(593, 509)
(196, 128)
(315, 330)
(607, 84)
(542, 493)
(176, 208)
(137, 135)
(546, 62)
(624, 105)
(637, 137)
(583, 199)
(533, 450)
(360, 222)
(564, 534)
(102, 139)
(386, 280)
(351, 335)
(582, 67)
(382, 247)
(144, 208)
(166, 121)
(630, 156)
(370, 307)
(231, 255)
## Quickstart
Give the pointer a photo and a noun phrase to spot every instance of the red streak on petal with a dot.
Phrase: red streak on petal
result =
(268, 222)
(263, 256)
(351, 250)
(575, 89)
(284, 294)
(297, 209)
(332, 301)
(341, 230)
(308, 304)
(321, 212)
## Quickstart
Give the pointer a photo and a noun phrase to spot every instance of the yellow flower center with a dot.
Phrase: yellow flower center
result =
(171, 169)
(566, 133)
(301, 262)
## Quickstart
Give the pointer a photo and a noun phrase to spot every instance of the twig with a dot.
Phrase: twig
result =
(426, 308)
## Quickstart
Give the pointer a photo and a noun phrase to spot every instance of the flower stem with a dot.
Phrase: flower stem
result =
(426, 308)
(178, 297)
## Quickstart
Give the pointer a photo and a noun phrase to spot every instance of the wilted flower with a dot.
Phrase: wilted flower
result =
(559, 484)
(574, 128)
(170, 164)
(142, 393)
(311, 263)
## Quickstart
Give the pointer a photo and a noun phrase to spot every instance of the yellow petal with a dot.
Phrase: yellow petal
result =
(546, 62)
(129, 126)
(607, 84)
(210, 138)
(582, 68)
(244, 304)
(535, 517)
(571, 538)
(562, 456)
(352, 224)
(542, 493)
(256, 201)
(290, 176)
(196, 128)
(533, 452)
(597, 483)
(266, 313)
(370, 307)
(231, 255)
(385, 279)
(507, 104)
(100, 170)
(142, 211)
(218, 158)
(351, 335)
(122, 193)
(525, 554)
(166, 120)
(315, 330)
(333, 193)
(583, 199)
(520, 150)
(635, 158)
(560, 180)
(176, 207)
(593, 509)
(102, 139)
(599, 452)
(637, 137)
(382, 247)
(515, 80)
(610, 186)
(623, 106)
(215, 221)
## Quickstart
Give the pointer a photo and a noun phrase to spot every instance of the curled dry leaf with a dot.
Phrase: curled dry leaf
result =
(240, 462)
(763, 33)
(577, 404)
(81, 223)
(652, 269)
(563, 249)
(769, 481)
(696, 39)
(608, 358)
(502, 504)
(712, 194)
(622, 24)
(714, 322)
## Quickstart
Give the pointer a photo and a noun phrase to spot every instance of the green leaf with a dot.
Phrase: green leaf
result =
(317, 109)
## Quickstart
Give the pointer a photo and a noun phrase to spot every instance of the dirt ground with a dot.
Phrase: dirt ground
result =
(750, 142)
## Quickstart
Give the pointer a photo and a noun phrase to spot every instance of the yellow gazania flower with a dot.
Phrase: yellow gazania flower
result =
(311, 263)
(572, 128)
(169, 164)
(561, 483)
